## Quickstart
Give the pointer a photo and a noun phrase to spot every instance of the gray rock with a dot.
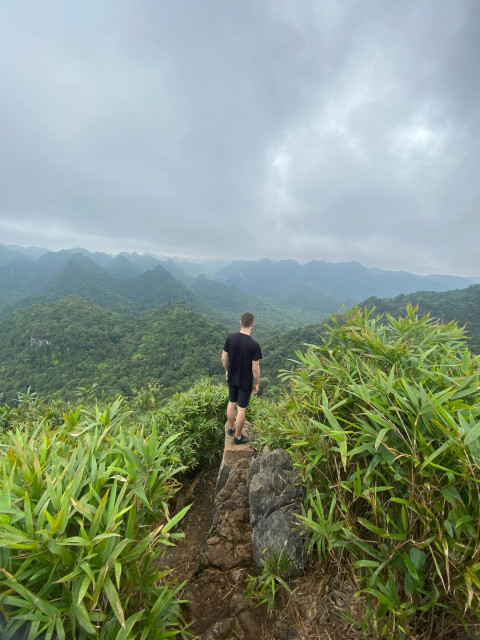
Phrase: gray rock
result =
(272, 484)
(279, 534)
(275, 497)
(230, 545)
(220, 630)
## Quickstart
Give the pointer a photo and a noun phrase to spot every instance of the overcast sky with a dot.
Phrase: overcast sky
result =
(329, 129)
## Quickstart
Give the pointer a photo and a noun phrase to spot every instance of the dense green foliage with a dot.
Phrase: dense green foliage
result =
(60, 346)
(382, 421)
(84, 513)
(197, 415)
(56, 347)
(462, 305)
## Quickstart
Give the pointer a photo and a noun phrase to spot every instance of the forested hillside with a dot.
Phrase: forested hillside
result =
(461, 305)
(70, 343)
(57, 347)
(25, 283)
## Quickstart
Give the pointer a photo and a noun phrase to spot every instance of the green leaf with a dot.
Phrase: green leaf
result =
(436, 453)
(131, 522)
(28, 515)
(60, 629)
(118, 573)
(140, 493)
(80, 612)
(176, 518)
(411, 568)
(45, 607)
(451, 494)
(418, 557)
(98, 515)
(381, 435)
(132, 458)
(370, 564)
(343, 446)
(472, 435)
(114, 600)
(83, 589)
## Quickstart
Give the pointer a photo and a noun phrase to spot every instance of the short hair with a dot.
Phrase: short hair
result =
(247, 319)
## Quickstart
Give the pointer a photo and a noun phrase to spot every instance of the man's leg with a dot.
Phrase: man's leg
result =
(231, 414)
(240, 421)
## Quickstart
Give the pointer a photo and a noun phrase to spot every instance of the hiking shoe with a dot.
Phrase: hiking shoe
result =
(242, 440)
(231, 432)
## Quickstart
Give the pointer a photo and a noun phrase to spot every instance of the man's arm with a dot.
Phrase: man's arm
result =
(225, 362)
(256, 375)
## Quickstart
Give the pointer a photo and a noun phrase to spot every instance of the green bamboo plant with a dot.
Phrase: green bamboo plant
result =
(382, 421)
(84, 509)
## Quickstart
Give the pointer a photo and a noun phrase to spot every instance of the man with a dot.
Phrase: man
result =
(240, 357)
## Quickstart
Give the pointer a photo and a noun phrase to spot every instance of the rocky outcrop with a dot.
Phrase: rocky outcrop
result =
(275, 497)
(232, 453)
(231, 545)
(248, 516)
(217, 590)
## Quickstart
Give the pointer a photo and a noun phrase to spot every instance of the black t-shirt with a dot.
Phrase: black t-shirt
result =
(242, 350)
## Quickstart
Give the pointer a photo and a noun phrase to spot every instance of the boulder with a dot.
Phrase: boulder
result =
(275, 497)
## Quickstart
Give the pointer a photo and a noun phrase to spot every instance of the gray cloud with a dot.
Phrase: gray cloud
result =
(328, 130)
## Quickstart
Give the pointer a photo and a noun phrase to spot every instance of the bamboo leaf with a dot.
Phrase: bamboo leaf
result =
(28, 515)
(435, 454)
(79, 612)
(83, 589)
(176, 518)
(140, 493)
(118, 573)
(472, 434)
(381, 434)
(114, 600)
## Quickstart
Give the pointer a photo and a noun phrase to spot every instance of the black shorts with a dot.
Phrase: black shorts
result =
(242, 396)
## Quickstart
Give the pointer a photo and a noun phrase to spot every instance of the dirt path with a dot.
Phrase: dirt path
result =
(182, 558)
(215, 557)
(217, 606)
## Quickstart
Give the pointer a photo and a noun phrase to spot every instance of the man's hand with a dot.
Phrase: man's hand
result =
(256, 376)
(225, 362)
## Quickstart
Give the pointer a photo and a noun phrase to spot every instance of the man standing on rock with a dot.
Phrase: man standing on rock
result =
(240, 357)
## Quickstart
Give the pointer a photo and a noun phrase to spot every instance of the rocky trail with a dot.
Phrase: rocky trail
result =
(220, 551)
(216, 556)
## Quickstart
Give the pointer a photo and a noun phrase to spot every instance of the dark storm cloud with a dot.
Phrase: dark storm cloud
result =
(333, 130)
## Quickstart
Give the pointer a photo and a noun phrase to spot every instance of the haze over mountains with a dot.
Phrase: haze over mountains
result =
(137, 283)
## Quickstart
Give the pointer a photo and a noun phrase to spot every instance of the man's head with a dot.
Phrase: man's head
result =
(247, 319)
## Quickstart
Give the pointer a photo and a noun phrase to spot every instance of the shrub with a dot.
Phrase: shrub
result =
(82, 507)
(198, 415)
(382, 421)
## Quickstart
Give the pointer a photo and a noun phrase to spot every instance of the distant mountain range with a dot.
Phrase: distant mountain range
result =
(281, 292)
(344, 282)
(72, 318)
